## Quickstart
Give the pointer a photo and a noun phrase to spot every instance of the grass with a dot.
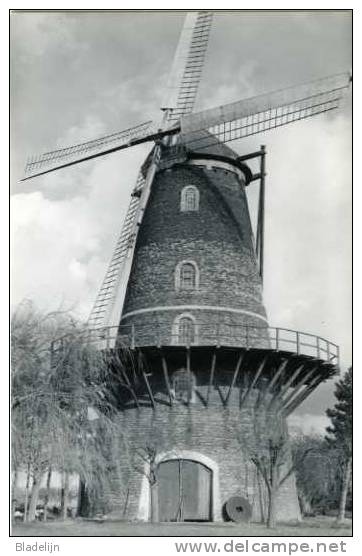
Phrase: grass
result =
(317, 526)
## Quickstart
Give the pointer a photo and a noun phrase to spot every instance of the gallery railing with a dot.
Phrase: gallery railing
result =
(246, 336)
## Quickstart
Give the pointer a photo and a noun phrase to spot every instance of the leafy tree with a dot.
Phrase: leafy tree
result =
(339, 434)
(53, 393)
(33, 413)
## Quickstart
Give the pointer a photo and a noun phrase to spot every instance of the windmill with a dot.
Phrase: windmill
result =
(197, 349)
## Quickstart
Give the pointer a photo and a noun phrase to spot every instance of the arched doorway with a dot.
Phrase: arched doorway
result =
(184, 491)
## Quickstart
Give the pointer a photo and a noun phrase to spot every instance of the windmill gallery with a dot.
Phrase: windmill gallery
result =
(207, 382)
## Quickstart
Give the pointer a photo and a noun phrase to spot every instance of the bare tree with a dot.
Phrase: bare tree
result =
(317, 471)
(145, 463)
(47, 492)
(268, 447)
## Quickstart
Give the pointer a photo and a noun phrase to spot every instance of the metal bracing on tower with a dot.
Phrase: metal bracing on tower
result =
(261, 212)
(260, 176)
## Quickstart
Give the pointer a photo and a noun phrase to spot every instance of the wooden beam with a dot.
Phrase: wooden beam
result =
(124, 374)
(211, 380)
(149, 389)
(279, 395)
(245, 386)
(129, 386)
(303, 395)
(127, 383)
(254, 381)
(299, 386)
(281, 369)
(132, 392)
(272, 382)
(249, 156)
(188, 359)
(121, 365)
(262, 203)
(167, 381)
(235, 376)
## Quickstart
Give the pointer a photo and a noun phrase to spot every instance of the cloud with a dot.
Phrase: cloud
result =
(42, 33)
(61, 247)
(241, 86)
(49, 240)
(308, 229)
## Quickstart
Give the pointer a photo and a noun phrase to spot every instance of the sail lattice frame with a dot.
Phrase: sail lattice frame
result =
(108, 290)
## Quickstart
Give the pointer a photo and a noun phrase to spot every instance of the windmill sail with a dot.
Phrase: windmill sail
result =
(197, 131)
(182, 89)
(181, 93)
(187, 65)
(224, 123)
(60, 158)
(261, 113)
(108, 307)
(107, 292)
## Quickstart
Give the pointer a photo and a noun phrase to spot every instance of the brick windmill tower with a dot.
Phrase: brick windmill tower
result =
(181, 306)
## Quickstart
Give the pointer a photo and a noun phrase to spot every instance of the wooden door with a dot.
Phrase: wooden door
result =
(184, 491)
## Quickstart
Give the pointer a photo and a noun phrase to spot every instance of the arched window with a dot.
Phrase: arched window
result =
(187, 276)
(183, 385)
(184, 330)
(190, 198)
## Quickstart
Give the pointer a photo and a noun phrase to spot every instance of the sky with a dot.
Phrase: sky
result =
(76, 76)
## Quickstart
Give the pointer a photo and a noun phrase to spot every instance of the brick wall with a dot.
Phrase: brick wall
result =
(219, 433)
(218, 238)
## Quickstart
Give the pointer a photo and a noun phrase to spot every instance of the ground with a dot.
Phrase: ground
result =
(316, 526)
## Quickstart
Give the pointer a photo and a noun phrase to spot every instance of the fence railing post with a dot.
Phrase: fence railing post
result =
(298, 343)
(277, 339)
(318, 348)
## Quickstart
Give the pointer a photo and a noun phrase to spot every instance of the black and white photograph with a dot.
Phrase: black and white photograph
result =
(181, 274)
